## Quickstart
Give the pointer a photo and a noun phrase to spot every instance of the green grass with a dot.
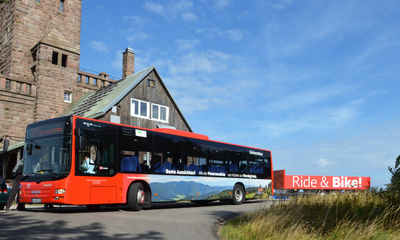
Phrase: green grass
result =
(342, 216)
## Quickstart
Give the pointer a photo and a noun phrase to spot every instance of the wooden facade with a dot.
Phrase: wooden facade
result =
(157, 94)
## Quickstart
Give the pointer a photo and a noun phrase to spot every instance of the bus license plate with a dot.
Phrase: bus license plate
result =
(36, 200)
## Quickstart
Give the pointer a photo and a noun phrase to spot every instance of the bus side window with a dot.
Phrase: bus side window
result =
(144, 161)
(193, 157)
(157, 161)
(135, 151)
(257, 165)
(243, 166)
(166, 153)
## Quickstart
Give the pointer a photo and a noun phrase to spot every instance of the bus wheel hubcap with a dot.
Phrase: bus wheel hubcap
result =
(140, 196)
(238, 195)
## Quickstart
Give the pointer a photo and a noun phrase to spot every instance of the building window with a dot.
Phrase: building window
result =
(94, 81)
(79, 77)
(151, 83)
(8, 84)
(18, 87)
(64, 60)
(87, 80)
(159, 112)
(140, 108)
(28, 89)
(54, 58)
(62, 5)
(67, 96)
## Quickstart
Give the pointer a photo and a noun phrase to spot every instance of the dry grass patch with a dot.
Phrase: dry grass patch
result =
(341, 216)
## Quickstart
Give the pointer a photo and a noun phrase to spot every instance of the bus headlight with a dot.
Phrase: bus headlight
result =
(60, 191)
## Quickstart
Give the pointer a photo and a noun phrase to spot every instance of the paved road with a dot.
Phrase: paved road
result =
(162, 221)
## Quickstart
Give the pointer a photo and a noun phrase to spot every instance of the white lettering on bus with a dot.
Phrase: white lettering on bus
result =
(167, 171)
(186, 172)
(256, 153)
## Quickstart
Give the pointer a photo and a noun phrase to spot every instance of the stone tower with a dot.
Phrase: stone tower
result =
(39, 60)
(39, 67)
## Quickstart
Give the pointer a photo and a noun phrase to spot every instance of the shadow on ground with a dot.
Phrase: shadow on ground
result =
(15, 226)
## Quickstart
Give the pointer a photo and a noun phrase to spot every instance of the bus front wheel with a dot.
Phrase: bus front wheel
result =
(136, 197)
(238, 194)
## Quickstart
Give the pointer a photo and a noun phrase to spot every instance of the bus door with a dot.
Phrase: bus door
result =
(96, 165)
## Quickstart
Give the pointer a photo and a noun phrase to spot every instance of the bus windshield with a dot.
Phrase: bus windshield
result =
(47, 149)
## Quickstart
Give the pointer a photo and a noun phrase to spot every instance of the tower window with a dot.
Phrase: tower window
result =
(18, 87)
(62, 5)
(67, 96)
(79, 77)
(28, 89)
(8, 84)
(54, 58)
(64, 60)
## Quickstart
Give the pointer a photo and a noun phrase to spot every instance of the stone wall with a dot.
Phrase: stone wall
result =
(38, 21)
(6, 29)
(17, 100)
(32, 86)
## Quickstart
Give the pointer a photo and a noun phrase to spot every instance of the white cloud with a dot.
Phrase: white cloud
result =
(280, 3)
(99, 46)
(154, 7)
(235, 34)
(139, 36)
(304, 99)
(324, 163)
(310, 120)
(201, 62)
(189, 17)
(186, 44)
(232, 34)
(117, 62)
(221, 4)
(170, 9)
(135, 20)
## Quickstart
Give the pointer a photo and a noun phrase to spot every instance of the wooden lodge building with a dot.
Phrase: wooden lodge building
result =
(40, 78)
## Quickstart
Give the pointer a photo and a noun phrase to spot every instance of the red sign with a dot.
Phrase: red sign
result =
(326, 182)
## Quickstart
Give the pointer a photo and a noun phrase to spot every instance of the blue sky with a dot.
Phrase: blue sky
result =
(315, 82)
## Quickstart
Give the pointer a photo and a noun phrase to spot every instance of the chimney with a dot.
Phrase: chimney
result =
(128, 62)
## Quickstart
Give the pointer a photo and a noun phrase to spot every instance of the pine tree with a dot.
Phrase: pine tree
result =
(395, 179)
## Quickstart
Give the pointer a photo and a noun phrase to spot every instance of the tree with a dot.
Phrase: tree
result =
(395, 179)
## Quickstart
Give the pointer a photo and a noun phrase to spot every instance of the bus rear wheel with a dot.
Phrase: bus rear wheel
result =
(136, 197)
(238, 194)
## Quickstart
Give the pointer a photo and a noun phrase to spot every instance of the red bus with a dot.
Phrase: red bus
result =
(79, 161)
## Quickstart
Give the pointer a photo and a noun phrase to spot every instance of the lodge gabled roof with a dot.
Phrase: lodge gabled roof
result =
(96, 104)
